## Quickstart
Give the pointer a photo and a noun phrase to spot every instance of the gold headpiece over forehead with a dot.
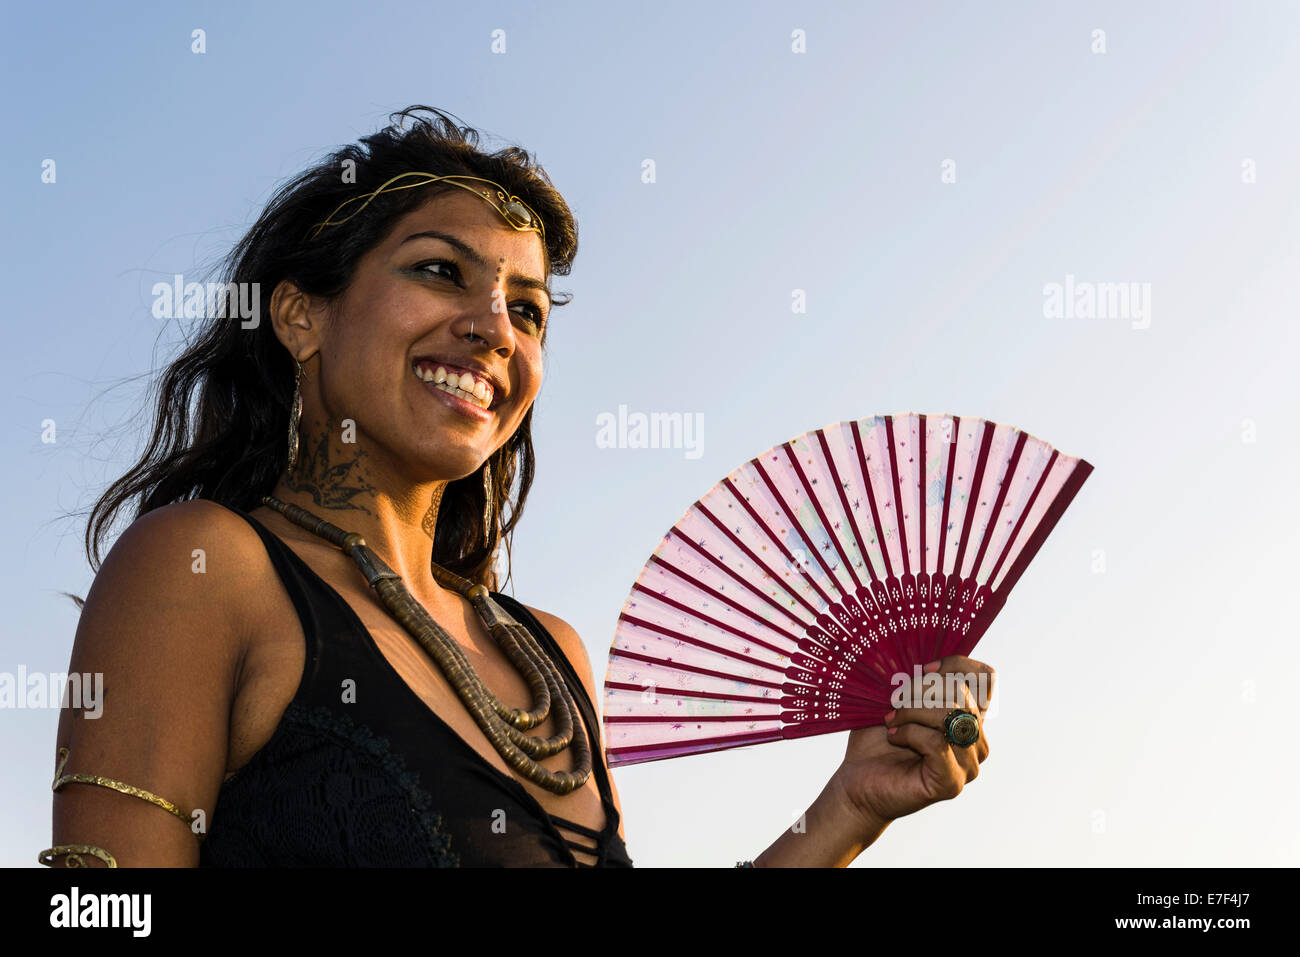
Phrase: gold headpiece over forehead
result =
(515, 211)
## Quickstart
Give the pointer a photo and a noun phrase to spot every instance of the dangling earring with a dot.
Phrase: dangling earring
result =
(295, 412)
(487, 500)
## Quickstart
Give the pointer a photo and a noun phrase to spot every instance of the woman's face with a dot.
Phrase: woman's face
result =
(409, 310)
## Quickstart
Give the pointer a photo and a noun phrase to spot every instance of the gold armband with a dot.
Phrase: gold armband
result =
(75, 851)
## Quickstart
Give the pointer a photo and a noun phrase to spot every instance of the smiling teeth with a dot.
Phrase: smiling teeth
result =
(478, 391)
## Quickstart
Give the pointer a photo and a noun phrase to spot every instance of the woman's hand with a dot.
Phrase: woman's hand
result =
(907, 764)
(890, 771)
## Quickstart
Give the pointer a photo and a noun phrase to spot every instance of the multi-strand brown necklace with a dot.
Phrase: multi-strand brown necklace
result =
(502, 725)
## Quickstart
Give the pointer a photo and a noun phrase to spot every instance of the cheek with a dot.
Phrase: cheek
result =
(360, 372)
(354, 362)
(374, 336)
(531, 369)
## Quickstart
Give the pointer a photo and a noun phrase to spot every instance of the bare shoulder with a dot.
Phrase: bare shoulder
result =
(193, 553)
(197, 523)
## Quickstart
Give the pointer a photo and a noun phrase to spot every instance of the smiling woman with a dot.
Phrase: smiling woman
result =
(334, 678)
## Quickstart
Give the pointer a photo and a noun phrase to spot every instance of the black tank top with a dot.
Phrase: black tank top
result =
(381, 780)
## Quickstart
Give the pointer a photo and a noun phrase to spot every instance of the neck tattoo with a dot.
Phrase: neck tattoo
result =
(331, 477)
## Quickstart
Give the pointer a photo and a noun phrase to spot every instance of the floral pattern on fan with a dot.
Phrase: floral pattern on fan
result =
(783, 602)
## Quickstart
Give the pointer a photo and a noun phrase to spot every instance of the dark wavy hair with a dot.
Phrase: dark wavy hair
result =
(230, 447)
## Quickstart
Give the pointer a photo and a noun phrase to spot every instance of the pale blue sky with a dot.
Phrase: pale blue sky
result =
(776, 171)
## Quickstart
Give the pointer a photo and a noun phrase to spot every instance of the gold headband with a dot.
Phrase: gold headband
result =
(515, 211)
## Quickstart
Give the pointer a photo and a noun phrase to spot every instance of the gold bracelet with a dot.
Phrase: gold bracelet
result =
(74, 852)
(62, 779)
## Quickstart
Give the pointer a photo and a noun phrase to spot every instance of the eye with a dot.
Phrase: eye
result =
(423, 267)
(534, 314)
(531, 312)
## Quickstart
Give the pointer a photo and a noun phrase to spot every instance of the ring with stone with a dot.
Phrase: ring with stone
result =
(961, 728)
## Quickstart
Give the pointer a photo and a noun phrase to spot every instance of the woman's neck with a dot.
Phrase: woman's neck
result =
(341, 483)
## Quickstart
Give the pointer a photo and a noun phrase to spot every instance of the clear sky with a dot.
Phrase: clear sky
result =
(922, 172)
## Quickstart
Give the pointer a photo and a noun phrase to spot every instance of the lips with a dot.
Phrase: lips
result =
(463, 365)
(467, 404)
(472, 388)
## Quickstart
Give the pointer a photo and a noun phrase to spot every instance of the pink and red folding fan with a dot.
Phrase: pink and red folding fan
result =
(781, 604)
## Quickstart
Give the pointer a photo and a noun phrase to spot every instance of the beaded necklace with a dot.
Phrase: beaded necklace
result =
(505, 727)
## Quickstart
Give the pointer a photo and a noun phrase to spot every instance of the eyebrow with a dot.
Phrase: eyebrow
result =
(472, 254)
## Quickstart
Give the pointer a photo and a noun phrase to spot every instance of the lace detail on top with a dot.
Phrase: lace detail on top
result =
(326, 792)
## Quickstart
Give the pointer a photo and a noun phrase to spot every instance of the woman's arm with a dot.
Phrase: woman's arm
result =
(163, 627)
(831, 833)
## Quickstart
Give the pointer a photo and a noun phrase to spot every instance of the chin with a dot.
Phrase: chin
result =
(444, 465)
